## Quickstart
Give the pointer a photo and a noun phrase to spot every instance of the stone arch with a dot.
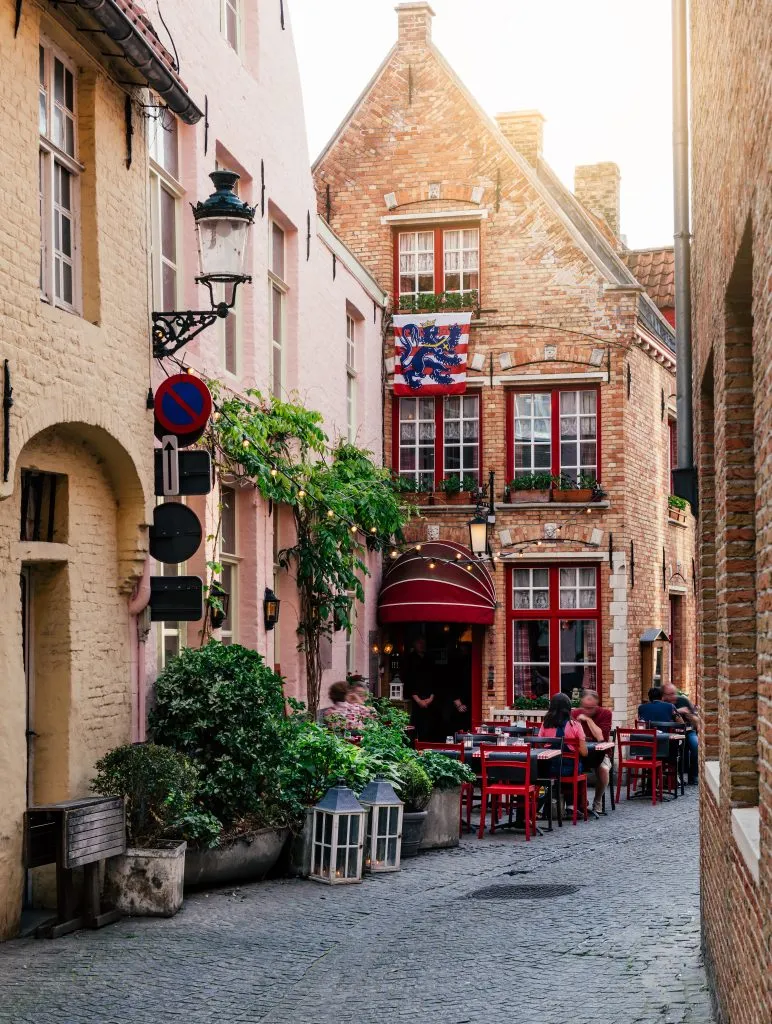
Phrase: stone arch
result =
(125, 455)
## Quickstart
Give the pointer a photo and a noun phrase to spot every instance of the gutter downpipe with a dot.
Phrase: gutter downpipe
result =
(137, 604)
(685, 476)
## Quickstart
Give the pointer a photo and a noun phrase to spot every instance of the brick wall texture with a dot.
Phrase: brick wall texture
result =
(79, 389)
(732, 303)
(546, 303)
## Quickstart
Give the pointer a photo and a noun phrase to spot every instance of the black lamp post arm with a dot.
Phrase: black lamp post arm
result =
(173, 329)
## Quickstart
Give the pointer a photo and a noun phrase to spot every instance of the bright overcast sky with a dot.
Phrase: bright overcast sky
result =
(598, 70)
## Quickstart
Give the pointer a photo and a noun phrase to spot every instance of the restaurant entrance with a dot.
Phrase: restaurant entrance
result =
(441, 661)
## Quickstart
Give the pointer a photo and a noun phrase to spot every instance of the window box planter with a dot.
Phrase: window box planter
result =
(418, 497)
(577, 495)
(516, 497)
(676, 514)
(146, 882)
(248, 858)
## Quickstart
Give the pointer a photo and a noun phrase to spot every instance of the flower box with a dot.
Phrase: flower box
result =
(577, 495)
(676, 514)
(515, 497)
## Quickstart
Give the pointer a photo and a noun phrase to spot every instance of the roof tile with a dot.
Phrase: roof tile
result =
(655, 270)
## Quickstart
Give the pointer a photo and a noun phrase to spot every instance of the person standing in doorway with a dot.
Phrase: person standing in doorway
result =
(420, 685)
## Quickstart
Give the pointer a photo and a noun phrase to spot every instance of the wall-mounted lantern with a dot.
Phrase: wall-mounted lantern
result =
(270, 608)
(222, 229)
(478, 535)
(217, 616)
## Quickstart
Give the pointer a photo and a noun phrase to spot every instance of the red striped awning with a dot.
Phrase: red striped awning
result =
(450, 592)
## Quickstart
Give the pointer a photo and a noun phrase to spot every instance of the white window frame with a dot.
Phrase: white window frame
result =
(277, 284)
(462, 271)
(461, 444)
(417, 444)
(236, 7)
(577, 468)
(351, 651)
(351, 378)
(570, 582)
(162, 179)
(530, 589)
(229, 634)
(530, 443)
(53, 156)
(408, 258)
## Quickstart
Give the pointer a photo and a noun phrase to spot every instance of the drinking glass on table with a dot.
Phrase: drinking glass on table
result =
(449, 739)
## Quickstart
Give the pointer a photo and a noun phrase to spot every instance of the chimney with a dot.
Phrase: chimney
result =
(596, 186)
(414, 21)
(523, 129)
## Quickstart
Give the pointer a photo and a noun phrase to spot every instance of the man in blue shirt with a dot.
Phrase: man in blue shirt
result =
(657, 710)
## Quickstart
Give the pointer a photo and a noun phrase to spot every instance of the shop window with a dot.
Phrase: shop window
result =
(554, 628)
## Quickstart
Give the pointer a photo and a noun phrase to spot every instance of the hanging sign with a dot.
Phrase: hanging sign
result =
(194, 469)
(182, 406)
(176, 533)
(176, 598)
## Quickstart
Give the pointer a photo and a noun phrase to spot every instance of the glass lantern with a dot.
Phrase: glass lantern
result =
(222, 228)
(384, 826)
(339, 834)
(396, 689)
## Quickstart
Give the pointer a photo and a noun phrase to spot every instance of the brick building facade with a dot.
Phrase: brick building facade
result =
(731, 97)
(571, 368)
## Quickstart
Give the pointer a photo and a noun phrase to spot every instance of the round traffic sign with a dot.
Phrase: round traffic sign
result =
(175, 534)
(182, 404)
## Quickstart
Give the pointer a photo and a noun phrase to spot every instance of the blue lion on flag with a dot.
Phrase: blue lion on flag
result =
(424, 349)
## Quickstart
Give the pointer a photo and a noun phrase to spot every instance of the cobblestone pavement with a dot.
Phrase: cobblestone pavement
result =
(417, 946)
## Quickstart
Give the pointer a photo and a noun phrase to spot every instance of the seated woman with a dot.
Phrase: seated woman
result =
(558, 723)
(346, 713)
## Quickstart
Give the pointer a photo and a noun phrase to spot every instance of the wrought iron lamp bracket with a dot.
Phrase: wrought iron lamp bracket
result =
(173, 329)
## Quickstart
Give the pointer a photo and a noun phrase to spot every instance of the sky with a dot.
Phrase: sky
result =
(598, 70)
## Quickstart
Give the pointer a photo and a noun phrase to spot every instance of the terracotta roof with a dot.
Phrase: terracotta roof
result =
(654, 269)
(135, 12)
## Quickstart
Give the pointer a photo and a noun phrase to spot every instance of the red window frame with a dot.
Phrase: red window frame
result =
(439, 247)
(439, 433)
(553, 614)
(554, 425)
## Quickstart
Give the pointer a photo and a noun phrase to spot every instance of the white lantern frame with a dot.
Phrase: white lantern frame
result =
(384, 826)
(338, 816)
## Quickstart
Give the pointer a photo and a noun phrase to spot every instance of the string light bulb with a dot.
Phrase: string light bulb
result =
(245, 443)
(216, 416)
(353, 529)
(470, 567)
(301, 494)
(431, 565)
(330, 513)
(274, 472)
(394, 553)
(459, 556)
(373, 529)
(418, 547)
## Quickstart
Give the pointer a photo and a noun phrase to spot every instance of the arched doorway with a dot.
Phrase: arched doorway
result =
(435, 602)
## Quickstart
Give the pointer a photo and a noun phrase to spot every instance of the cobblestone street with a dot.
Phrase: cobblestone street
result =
(422, 946)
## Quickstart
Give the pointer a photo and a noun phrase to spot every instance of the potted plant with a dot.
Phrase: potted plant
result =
(414, 788)
(585, 488)
(415, 492)
(158, 785)
(446, 775)
(224, 707)
(530, 487)
(676, 508)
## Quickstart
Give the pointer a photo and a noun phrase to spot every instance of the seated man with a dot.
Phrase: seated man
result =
(596, 723)
(657, 710)
(687, 712)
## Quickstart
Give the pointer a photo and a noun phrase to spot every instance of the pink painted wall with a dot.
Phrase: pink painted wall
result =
(255, 114)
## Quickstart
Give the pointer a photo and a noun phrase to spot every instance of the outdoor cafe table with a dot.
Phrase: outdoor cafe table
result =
(674, 751)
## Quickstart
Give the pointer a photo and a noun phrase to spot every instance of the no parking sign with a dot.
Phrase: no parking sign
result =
(182, 407)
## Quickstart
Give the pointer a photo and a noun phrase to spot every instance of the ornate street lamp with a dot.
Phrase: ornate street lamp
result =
(339, 835)
(270, 608)
(222, 228)
(384, 826)
(478, 535)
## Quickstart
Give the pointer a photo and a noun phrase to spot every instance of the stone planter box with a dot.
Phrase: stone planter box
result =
(146, 883)
(412, 832)
(248, 859)
(515, 497)
(442, 819)
(576, 495)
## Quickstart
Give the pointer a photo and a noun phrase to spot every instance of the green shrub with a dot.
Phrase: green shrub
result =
(530, 703)
(445, 772)
(469, 482)
(675, 502)
(224, 708)
(159, 786)
(413, 784)
(531, 482)
(451, 485)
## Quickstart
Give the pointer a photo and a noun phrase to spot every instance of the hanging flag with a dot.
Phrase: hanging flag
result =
(430, 353)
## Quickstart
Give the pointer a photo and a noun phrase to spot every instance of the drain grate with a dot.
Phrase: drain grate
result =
(522, 892)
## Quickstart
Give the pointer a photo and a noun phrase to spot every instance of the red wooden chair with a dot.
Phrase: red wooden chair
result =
(637, 749)
(467, 788)
(506, 772)
(576, 780)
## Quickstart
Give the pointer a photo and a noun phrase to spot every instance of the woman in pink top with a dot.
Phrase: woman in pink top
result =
(558, 722)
